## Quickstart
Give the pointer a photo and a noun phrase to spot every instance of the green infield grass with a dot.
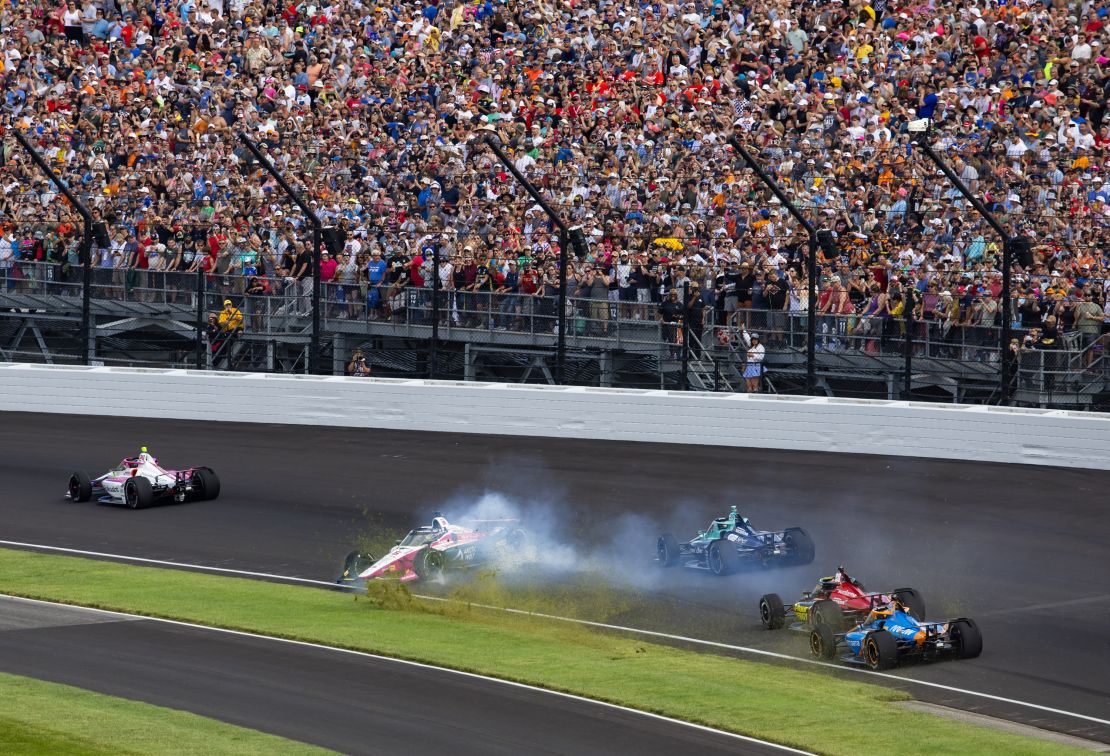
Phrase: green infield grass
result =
(813, 710)
(48, 718)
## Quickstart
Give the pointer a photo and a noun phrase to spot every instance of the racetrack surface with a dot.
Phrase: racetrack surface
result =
(1020, 549)
(349, 703)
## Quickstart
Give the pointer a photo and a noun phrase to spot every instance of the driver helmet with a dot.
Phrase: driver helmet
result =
(439, 522)
(881, 612)
(827, 583)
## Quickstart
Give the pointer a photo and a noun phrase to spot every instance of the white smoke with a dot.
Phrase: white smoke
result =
(618, 550)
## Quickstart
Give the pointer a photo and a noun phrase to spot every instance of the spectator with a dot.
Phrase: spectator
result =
(358, 365)
(1088, 315)
(230, 318)
(753, 362)
(670, 315)
(370, 111)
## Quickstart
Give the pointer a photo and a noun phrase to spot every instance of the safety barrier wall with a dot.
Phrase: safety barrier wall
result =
(995, 434)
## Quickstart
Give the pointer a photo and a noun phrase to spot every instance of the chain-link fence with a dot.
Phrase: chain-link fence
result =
(688, 333)
(151, 316)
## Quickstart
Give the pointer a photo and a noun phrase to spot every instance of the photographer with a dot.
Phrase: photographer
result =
(358, 366)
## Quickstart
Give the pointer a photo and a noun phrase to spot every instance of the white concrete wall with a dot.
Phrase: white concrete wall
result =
(997, 434)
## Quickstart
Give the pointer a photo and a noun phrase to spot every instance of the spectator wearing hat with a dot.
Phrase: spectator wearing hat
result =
(574, 103)
(230, 318)
(753, 360)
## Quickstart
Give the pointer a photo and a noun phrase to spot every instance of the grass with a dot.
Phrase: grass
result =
(812, 710)
(48, 718)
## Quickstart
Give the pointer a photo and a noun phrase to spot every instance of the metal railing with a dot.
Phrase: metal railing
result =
(701, 350)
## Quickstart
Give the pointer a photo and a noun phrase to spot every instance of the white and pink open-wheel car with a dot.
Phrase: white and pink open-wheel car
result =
(431, 550)
(140, 481)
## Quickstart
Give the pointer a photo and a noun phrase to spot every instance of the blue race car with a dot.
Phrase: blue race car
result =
(730, 541)
(891, 635)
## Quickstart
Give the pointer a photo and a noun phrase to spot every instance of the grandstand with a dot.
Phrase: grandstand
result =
(621, 115)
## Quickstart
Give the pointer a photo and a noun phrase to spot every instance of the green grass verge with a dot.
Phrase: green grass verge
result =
(812, 710)
(48, 718)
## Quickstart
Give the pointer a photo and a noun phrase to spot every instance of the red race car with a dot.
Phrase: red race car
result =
(839, 602)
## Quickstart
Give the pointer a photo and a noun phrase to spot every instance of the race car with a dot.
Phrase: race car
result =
(430, 550)
(838, 601)
(890, 636)
(731, 541)
(140, 481)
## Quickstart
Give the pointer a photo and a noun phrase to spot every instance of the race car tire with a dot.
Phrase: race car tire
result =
(356, 562)
(966, 638)
(913, 602)
(880, 650)
(771, 611)
(722, 558)
(80, 487)
(516, 538)
(801, 544)
(206, 483)
(667, 550)
(137, 493)
(822, 643)
(429, 564)
(827, 613)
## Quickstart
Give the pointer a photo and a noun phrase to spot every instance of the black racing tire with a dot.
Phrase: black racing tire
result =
(827, 613)
(137, 492)
(516, 539)
(912, 601)
(666, 549)
(880, 650)
(80, 487)
(801, 545)
(722, 558)
(771, 611)
(356, 562)
(206, 484)
(429, 564)
(822, 643)
(966, 638)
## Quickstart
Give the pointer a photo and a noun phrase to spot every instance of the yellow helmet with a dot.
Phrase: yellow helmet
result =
(881, 612)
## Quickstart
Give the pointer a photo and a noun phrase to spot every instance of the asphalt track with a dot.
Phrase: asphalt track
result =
(352, 704)
(1020, 549)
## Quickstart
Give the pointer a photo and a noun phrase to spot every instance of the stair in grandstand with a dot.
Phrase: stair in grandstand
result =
(707, 374)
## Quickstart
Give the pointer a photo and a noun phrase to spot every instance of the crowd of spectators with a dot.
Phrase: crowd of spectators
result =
(619, 111)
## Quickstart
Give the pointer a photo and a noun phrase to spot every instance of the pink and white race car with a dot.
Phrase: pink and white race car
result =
(430, 550)
(139, 481)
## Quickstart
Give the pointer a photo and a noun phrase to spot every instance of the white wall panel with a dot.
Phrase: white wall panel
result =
(997, 434)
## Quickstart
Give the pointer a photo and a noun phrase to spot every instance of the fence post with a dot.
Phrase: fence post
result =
(86, 243)
(811, 317)
(686, 334)
(434, 351)
(811, 266)
(490, 138)
(561, 310)
(909, 300)
(921, 140)
(314, 358)
(200, 319)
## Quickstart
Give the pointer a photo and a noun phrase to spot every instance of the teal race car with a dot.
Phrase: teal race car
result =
(731, 542)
